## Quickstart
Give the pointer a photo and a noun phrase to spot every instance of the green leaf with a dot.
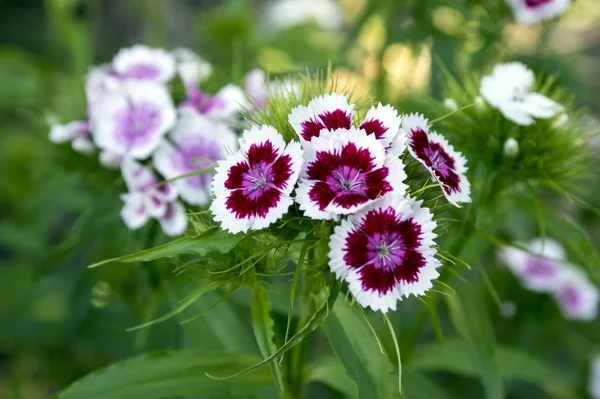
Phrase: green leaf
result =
(331, 372)
(211, 240)
(315, 321)
(264, 331)
(352, 341)
(419, 386)
(470, 319)
(167, 374)
(514, 364)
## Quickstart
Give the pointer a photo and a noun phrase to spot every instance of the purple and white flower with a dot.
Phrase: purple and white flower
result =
(508, 90)
(328, 112)
(252, 187)
(446, 165)
(530, 12)
(538, 265)
(224, 106)
(77, 132)
(386, 251)
(144, 63)
(576, 295)
(100, 81)
(384, 123)
(132, 121)
(147, 199)
(110, 160)
(259, 89)
(594, 384)
(196, 142)
(344, 171)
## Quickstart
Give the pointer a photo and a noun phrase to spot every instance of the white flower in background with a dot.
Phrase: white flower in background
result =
(196, 142)
(507, 89)
(446, 165)
(144, 63)
(577, 297)
(192, 68)
(386, 251)
(344, 171)
(147, 199)
(110, 160)
(285, 14)
(533, 11)
(77, 132)
(224, 106)
(259, 89)
(252, 187)
(594, 384)
(132, 120)
(538, 268)
(510, 148)
(99, 81)
(450, 104)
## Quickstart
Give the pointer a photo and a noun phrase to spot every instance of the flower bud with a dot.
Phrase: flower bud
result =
(450, 104)
(511, 148)
(83, 145)
(561, 121)
(479, 103)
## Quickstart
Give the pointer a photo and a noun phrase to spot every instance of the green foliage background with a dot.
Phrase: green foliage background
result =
(60, 321)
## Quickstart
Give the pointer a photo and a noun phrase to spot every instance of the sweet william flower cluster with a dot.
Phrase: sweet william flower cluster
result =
(136, 125)
(350, 171)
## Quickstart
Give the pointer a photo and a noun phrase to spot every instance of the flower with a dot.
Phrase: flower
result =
(386, 251)
(110, 160)
(344, 171)
(384, 123)
(285, 14)
(99, 81)
(538, 266)
(510, 148)
(77, 132)
(530, 12)
(329, 112)
(225, 105)
(142, 62)
(507, 89)
(146, 199)
(196, 141)
(192, 69)
(594, 385)
(576, 296)
(252, 187)
(132, 120)
(447, 166)
(259, 89)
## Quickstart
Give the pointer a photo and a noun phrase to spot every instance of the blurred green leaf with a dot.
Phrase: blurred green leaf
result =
(166, 374)
(331, 372)
(353, 342)
(264, 331)
(211, 240)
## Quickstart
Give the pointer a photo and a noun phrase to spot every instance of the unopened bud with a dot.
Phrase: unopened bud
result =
(450, 104)
(508, 309)
(110, 160)
(560, 121)
(83, 145)
(511, 148)
(479, 103)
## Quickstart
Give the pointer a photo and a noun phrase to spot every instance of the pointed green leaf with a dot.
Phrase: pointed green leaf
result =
(264, 331)
(354, 344)
(168, 374)
(211, 240)
(331, 372)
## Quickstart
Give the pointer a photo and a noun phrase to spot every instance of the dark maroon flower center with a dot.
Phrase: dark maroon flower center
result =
(256, 184)
(346, 178)
(374, 126)
(385, 250)
(536, 3)
(435, 157)
(330, 120)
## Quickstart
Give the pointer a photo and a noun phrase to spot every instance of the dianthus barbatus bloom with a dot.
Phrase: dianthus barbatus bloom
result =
(196, 141)
(132, 120)
(288, 13)
(252, 187)
(224, 106)
(259, 89)
(345, 170)
(386, 252)
(533, 11)
(594, 383)
(145, 63)
(146, 199)
(507, 89)
(577, 297)
(538, 268)
(447, 166)
(192, 68)
(328, 112)
(77, 132)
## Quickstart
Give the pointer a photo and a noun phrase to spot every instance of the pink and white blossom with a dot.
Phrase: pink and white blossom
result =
(576, 295)
(144, 63)
(224, 106)
(192, 68)
(252, 187)
(132, 120)
(446, 165)
(195, 143)
(530, 12)
(77, 132)
(386, 251)
(344, 171)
